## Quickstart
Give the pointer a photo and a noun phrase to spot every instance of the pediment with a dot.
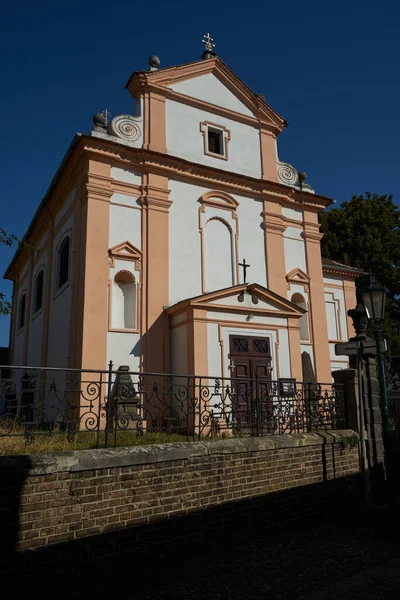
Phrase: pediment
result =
(210, 82)
(242, 298)
(125, 251)
(210, 89)
(298, 276)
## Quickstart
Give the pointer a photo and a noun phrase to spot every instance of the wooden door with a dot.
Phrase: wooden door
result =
(251, 364)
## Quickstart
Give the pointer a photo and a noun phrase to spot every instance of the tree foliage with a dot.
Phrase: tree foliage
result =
(365, 233)
(8, 240)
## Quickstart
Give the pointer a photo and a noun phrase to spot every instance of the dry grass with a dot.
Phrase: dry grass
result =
(43, 442)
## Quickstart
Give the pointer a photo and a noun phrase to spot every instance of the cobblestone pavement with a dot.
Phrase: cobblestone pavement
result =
(310, 563)
(314, 561)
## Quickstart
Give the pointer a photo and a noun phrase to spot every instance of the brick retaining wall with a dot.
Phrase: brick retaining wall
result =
(59, 498)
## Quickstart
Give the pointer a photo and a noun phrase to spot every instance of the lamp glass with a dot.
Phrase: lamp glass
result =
(373, 299)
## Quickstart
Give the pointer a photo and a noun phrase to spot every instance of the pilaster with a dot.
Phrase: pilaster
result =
(91, 301)
(268, 155)
(295, 349)
(274, 228)
(312, 238)
(155, 133)
(155, 335)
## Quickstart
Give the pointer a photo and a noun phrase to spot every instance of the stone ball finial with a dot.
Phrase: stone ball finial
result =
(99, 120)
(302, 176)
(154, 62)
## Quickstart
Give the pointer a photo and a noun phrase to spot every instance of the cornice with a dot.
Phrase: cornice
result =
(341, 272)
(150, 161)
(155, 198)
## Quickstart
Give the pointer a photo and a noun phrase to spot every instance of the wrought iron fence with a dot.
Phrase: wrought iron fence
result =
(393, 397)
(118, 406)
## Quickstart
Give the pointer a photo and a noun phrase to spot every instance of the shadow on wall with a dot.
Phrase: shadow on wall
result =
(14, 471)
(96, 562)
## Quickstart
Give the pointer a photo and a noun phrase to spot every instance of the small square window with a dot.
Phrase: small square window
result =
(215, 141)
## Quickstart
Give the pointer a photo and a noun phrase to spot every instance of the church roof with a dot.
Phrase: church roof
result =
(340, 269)
(161, 79)
(282, 305)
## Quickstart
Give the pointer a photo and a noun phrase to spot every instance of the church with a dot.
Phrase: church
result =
(174, 240)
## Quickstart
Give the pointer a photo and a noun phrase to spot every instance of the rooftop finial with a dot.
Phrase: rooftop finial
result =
(106, 115)
(154, 62)
(208, 52)
(207, 41)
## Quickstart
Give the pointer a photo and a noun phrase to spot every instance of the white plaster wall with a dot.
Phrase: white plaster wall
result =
(125, 225)
(60, 308)
(210, 89)
(123, 349)
(251, 240)
(336, 314)
(339, 295)
(333, 280)
(18, 347)
(179, 350)
(65, 207)
(126, 200)
(214, 351)
(331, 318)
(35, 340)
(292, 213)
(185, 140)
(185, 239)
(295, 254)
(247, 302)
(284, 354)
(126, 175)
(219, 245)
(244, 318)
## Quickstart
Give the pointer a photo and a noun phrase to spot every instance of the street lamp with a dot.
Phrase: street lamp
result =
(373, 298)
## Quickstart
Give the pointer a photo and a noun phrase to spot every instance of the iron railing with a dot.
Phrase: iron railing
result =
(116, 406)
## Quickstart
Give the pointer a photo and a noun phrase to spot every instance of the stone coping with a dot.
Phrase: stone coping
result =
(102, 458)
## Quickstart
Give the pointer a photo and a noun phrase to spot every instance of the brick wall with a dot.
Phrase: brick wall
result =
(59, 499)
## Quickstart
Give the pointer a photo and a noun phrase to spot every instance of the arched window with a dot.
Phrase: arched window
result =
(219, 256)
(21, 311)
(38, 292)
(303, 321)
(124, 301)
(63, 262)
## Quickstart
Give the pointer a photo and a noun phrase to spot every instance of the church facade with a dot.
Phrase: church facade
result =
(173, 240)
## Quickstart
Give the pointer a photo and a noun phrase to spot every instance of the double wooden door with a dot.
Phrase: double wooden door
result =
(251, 368)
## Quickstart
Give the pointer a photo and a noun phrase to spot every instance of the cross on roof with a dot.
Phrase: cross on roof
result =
(207, 41)
(106, 115)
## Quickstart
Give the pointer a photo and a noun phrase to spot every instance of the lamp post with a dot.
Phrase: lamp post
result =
(373, 299)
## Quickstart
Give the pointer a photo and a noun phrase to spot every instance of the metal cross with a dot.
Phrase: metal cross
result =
(245, 267)
(207, 41)
(106, 115)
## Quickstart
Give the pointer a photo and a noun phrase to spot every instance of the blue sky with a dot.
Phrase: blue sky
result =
(330, 68)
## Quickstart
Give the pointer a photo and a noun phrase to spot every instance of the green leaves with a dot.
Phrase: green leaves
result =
(365, 233)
